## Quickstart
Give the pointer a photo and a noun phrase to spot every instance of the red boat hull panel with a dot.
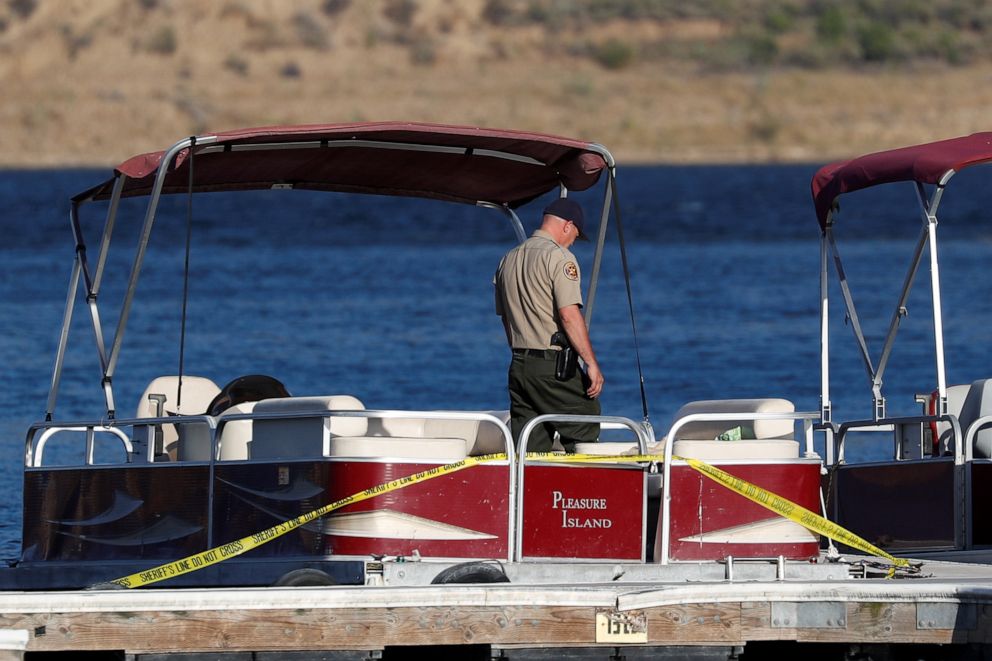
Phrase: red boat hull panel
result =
(702, 508)
(587, 512)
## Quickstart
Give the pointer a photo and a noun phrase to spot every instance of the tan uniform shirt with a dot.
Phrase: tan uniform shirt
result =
(533, 282)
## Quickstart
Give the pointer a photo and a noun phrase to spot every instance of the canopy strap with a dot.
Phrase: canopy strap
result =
(630, 297)
(189, 232)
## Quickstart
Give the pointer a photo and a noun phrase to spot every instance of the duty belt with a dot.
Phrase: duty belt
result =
(547, 354)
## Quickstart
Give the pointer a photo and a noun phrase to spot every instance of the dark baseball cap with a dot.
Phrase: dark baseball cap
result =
(567, 209)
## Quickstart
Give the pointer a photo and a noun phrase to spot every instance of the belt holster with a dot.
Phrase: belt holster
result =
(567, 361)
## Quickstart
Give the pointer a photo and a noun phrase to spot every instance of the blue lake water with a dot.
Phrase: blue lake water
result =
(391, 300)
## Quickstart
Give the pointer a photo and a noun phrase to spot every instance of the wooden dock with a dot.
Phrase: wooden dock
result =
(508, 620)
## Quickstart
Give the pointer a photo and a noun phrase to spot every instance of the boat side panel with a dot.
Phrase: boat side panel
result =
(710, 522)
(459, 515)
(897, 506)
(583, 512)
(981, 497)
(114, 513)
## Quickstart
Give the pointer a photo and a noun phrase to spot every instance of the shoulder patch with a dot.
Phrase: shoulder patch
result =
(571, 271)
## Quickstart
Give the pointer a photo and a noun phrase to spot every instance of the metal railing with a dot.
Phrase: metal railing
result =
(890, 425)
(34, 450)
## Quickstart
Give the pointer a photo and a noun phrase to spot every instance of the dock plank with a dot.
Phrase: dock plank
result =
(307, 619)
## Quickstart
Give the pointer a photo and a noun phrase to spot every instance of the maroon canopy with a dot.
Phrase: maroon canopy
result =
(455, 163)
(926, 164)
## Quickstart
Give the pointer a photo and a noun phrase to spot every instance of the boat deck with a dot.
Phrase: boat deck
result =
(947, 604)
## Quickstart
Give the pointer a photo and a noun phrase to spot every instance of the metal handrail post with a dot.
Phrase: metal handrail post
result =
(34, 451)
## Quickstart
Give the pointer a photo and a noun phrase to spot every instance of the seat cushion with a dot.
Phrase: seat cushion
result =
(743, 449)
(750, 429)
(389, 447)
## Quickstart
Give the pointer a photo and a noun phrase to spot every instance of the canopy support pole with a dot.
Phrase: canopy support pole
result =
(518, 227)
(604, 219)
(81, 269)
(900, 310)
(930, 219)
(139, 256)
(825, 407)
(70, 300)
(611, 183)
(852, 313)
(189, 236)
(93, 282)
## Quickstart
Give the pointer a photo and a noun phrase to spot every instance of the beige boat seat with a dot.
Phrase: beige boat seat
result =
(197, 394)
(978, 404)
(195, 444)
(479, 437)
(760, 439)
(405, 448)
(235, 436)
(303, 437)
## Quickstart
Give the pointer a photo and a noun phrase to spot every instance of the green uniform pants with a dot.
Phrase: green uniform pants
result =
(535, 391)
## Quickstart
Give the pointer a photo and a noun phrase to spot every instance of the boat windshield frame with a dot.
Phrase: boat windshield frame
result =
(569, 162)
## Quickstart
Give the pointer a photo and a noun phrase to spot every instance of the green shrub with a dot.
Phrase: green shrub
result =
(23, 8)
(831, 25)
(778, 20)
(423, 51)
(237, 64)
(762, 49)
(400, 12)
(162, 41)
(334, 7)
(877, 42)
(291, 70)
(74, 42)
(613, 54)
(498, 12)
(765, 127)
(310, 31)
(954, 50)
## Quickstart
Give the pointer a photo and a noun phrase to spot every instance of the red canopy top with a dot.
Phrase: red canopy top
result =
(926, 164)
(455, 163)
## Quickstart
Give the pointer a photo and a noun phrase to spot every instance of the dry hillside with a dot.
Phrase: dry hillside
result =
(94, 81)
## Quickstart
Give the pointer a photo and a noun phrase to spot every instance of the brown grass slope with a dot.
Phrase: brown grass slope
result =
(95, 81)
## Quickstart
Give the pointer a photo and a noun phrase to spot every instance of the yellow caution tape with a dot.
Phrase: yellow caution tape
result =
(790, 510)
(219, 554)
(786, 508)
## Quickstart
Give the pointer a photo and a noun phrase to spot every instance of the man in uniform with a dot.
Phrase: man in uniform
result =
(538, 295)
